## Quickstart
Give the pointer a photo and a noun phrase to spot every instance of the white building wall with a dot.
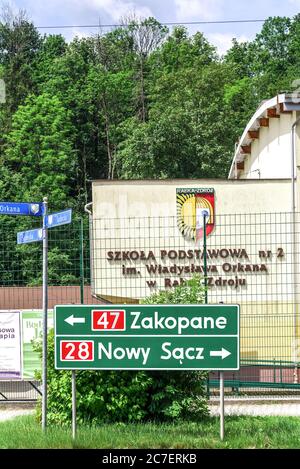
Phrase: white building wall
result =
(271, 154)
(122, 199)
(142, 216)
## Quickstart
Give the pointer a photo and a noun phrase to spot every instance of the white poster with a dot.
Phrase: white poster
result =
(10, 345)
(32, 326)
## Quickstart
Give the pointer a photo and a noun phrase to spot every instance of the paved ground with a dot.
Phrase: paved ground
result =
(231, 408)
(260, 408)
(7, 413)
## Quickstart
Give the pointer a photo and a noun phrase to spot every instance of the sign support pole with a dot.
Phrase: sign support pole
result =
(45, 313)
(73, 405)
(222, 409)
(205, 255)
(82, 302)
(222, 405)
(81, 257)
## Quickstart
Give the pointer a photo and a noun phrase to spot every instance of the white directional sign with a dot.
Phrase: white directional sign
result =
(59, 218)
(21, 208)
(153, 337)
(52, 220)
(30, 236)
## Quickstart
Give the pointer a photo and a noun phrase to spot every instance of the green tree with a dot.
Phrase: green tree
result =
(187, 134)
(182, 51)
(146, 37)
(52, 49)
(19, 46)
(38, 152)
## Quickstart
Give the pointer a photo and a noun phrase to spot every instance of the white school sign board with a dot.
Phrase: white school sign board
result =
(147, 236)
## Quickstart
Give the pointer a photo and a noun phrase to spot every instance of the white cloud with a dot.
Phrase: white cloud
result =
(117, 8)
(206, 10)
(223, 41)
(79, 33)
(89, 11)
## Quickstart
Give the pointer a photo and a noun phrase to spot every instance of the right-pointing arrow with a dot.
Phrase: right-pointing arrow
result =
(220, 353)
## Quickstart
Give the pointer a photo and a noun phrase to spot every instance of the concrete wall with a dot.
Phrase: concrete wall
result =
(122, 199)
(31, 297)
(141, 216)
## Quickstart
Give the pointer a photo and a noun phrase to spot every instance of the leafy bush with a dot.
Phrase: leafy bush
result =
(179, 394)
(130, 396)
(191, 292)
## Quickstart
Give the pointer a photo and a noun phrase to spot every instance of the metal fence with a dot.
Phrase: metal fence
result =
(252, 260)
(19, 390)
(21, 280)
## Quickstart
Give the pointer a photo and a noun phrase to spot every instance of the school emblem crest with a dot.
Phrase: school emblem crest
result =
(191, 205)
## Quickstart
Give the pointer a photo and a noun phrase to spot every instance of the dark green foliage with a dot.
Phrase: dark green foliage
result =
(19, 46)
(39, 151)
(130, 396)
(191, 292)
(130, 101)
(137, 102)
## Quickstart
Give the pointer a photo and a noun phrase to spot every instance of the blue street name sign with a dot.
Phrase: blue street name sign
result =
(30, 236)
(21, 208)
(59, 218)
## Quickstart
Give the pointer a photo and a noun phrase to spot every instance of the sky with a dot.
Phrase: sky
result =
(94, 12)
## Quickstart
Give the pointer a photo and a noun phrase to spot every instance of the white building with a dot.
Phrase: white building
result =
(264, 150)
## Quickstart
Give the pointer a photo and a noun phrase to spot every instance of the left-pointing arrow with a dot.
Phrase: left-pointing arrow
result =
(71, 320)
(220, 353)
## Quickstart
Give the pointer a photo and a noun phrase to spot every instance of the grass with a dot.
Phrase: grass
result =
(240, 432)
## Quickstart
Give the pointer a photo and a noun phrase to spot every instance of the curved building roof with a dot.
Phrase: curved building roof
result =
(272, 108)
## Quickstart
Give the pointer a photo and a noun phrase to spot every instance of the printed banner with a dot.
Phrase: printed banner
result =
(10, 345)
(32, 326)
(31, 331)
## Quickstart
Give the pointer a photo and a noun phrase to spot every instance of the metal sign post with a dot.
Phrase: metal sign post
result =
(73, 404)
(35, 209)
(31, 236)
(74, 416)
(45, 314)
(222, 408)
(222, 405)
(205, 214)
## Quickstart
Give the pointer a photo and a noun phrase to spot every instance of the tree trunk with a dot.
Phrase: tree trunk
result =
(142, 92)
(108, 143)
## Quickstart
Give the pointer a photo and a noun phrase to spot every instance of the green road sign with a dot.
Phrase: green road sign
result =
(150, 337)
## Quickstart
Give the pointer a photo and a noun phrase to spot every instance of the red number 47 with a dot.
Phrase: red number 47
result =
(108, 320)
